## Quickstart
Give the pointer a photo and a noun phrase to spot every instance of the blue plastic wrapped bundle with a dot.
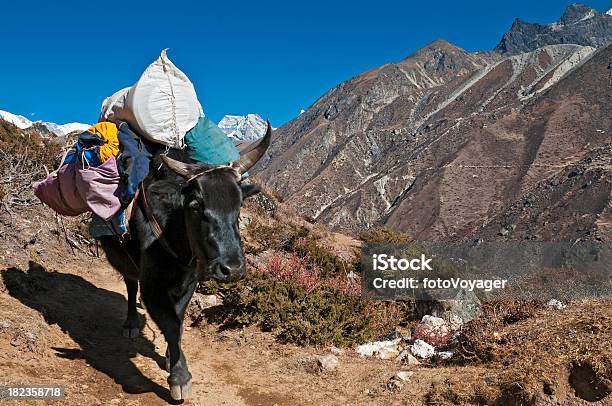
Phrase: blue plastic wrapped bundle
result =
(206, 143)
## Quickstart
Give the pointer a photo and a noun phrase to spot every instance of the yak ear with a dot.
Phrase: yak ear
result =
(180, 168)
(249, 190)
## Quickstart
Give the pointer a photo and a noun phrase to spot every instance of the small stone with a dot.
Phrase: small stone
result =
(422, 350)
(404, 375)
(209, 301)
(387, 353)
(396, 383)
(407, 358)
(555, 304)
(336, 351)
(327, 362)
(444, 355)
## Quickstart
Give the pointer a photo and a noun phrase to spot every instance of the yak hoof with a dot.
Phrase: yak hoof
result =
(181, 392)
(131, 332)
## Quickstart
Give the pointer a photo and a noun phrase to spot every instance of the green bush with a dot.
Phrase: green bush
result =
(322, 316)
(316, 255)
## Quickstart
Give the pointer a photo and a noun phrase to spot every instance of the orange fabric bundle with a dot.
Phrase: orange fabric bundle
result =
(108, 132)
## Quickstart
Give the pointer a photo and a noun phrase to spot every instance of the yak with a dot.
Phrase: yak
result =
(183, 230)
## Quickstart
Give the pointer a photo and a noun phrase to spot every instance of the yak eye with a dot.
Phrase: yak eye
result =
(194, 205)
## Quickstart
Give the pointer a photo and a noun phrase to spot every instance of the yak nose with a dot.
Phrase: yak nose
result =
(230, 271)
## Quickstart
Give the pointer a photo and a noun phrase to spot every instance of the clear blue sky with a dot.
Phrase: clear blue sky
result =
(60, 59)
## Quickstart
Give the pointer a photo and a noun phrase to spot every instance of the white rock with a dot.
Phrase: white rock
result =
(369, 349)
(404, 375)
(422, 350)
(336, 350)
(443, 355)
(432, 321)
(327, 362)
(555, 304)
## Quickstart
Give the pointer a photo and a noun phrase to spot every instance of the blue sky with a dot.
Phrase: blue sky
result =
(60, 59)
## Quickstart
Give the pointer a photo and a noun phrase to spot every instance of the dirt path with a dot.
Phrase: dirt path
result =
(73, 324)
(64, 327)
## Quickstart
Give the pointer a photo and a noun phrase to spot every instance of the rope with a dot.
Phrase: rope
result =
(175, 131)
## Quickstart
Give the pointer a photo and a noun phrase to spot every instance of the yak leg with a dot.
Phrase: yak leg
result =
(122, 258)
(131, 327)
(181, 301)
(162, 305)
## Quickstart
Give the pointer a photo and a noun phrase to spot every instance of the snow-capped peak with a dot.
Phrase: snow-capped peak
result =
(57, 129)
(609, 12)
(243, 128)
(18, 121)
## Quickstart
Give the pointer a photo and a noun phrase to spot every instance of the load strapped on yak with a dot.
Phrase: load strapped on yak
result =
(102, 172)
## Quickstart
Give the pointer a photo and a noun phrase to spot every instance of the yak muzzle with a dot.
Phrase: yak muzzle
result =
(226, 271)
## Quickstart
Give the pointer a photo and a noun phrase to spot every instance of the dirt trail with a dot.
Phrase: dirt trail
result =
(83, 347)
(64, 327)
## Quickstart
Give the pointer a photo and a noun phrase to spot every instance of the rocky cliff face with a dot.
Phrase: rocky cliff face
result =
(578, 25)
(441, 144)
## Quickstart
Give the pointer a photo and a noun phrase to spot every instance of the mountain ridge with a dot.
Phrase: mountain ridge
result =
(377, 150)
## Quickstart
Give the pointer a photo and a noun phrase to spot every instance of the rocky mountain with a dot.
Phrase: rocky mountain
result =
(444, 143)
(243, 128)
(578, 25)
(42, 126)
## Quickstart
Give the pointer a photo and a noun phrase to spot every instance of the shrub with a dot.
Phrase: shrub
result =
(320, 257)
(322, 316)
(478, 337)
(23, 159)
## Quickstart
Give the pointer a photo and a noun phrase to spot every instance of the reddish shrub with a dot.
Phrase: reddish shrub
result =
(438, 336)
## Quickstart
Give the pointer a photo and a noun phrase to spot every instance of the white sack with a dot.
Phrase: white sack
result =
(162, 106)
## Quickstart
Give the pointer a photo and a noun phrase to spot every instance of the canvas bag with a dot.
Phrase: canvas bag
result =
(74, 189)
(162, 106)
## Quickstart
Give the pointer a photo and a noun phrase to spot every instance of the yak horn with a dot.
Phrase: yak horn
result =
(178, 167)
(254, 154)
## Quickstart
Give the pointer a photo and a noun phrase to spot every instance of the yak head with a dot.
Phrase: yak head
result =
(212, 198)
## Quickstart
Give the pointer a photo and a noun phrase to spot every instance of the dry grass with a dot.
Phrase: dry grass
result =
(530, 354)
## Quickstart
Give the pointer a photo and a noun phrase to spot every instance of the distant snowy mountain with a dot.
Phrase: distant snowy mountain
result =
(244, 128)
(57, 129)
(609, 12)
(19, 121)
